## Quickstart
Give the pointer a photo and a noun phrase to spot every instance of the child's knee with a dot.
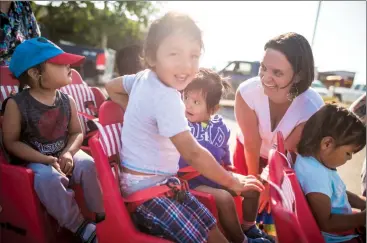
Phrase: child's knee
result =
(223, 197)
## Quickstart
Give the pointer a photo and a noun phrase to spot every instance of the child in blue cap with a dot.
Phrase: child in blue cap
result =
(42, 131)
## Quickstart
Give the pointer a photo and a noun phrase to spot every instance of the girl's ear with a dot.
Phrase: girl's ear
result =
(327, 143)
(150, 62)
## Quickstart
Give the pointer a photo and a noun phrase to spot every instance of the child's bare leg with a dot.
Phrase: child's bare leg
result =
(215, 236)
(250, 206)
(226, 211)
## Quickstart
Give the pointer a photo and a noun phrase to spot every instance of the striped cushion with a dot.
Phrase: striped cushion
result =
(81, 94)
(110, 138)
(6, 91)
(289, 197)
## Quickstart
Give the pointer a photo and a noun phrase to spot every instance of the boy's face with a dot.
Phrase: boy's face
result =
(56, 76)
(333, 156)
(196, 109)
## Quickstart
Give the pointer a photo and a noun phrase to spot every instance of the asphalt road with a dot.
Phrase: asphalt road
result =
(350, 172)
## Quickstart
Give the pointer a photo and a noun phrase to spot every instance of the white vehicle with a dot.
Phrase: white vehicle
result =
(349, 95)
(320, 88)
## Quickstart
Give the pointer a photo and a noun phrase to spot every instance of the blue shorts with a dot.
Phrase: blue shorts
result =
(189, 221)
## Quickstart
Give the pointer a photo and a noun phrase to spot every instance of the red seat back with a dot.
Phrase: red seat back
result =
(8, 84)
(117, 226)
(287, 198)
(82, 95)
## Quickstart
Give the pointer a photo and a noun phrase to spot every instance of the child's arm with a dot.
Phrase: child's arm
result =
(203, 161)
(321, 208)
(75, 140)
(356, 201)
(117, 92)
(11, 136)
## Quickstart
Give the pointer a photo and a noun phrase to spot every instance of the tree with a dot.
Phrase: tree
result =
(113, 25)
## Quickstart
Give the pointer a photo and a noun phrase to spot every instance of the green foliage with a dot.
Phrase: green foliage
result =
(81, 22)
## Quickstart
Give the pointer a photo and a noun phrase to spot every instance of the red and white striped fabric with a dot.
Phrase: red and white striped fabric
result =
(7, 90)
(81, 94)
(289, 197)
(110, 138)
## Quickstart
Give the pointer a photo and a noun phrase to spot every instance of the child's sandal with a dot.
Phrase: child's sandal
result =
(80, 232)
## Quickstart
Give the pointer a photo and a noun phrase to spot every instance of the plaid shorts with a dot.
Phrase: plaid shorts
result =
(189, 221)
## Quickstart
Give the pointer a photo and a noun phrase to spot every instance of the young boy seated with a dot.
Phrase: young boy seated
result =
(41, 130)
(329, 139)
(201, 98)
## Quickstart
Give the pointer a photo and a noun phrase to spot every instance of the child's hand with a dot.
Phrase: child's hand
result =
(246, 183)
(66, 163)
(53, 161)
(265, 200)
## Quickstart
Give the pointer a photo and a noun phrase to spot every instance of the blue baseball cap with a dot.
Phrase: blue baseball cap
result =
(39, 50)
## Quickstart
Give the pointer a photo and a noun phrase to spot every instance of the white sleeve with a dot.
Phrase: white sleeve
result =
(170, 114)
(129, 80)
(311, 105)
(248, 92)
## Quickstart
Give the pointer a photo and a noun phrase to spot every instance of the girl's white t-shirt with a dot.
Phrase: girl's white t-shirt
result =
(154, 114)
(301, 109)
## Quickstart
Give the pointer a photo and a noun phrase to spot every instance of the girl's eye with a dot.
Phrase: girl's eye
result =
(196, 102)
(349, 154)
(195, 56)
(173, 54)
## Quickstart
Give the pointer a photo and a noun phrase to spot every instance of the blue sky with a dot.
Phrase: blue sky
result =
(239, 30)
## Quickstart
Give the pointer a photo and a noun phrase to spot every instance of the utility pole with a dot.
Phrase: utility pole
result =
(316, 22)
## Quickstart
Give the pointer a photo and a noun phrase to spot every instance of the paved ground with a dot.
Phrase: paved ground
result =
(350, 172)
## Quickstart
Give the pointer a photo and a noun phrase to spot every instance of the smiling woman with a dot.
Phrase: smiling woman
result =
(279, 99)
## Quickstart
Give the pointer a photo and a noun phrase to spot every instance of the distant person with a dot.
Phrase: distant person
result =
(17, 24)
(329, 139)
(359, 108)
(128, 60)
(279, 99)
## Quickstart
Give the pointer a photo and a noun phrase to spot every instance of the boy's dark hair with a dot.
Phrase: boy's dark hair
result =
(25, 80)
(299, 54)
(212, 85)
(128, 60)
(162, 28)
(334, 121)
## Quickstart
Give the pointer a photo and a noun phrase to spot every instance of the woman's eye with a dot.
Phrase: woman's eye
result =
(173, 54)
(278, 74)
(196, 102)
(349, 154)
(195, 56)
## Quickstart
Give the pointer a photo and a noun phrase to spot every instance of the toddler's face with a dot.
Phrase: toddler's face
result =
(177, 60)
(196, 109)
(334, 157)
(56, 76)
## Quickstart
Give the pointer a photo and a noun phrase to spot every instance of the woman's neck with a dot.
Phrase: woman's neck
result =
(5, 6)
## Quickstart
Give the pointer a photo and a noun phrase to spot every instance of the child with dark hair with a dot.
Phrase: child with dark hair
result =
(329, 139)
(42, 130)
(201, 98)
(128, 60)
(156, 132)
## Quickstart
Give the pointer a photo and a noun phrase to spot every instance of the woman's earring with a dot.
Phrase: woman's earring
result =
(293, 93)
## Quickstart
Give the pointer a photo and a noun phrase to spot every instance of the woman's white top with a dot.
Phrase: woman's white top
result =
(301, 109)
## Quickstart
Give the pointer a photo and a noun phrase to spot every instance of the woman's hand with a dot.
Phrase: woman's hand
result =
(265, 200)
(246, 183)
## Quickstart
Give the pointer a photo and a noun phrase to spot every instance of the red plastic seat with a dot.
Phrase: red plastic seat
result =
(22, 216)
(87, 99)
(293, 219)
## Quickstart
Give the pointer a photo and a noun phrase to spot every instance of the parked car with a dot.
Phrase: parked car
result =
(320, 88)
(349, 95)
(238, 72)
(99, 63)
